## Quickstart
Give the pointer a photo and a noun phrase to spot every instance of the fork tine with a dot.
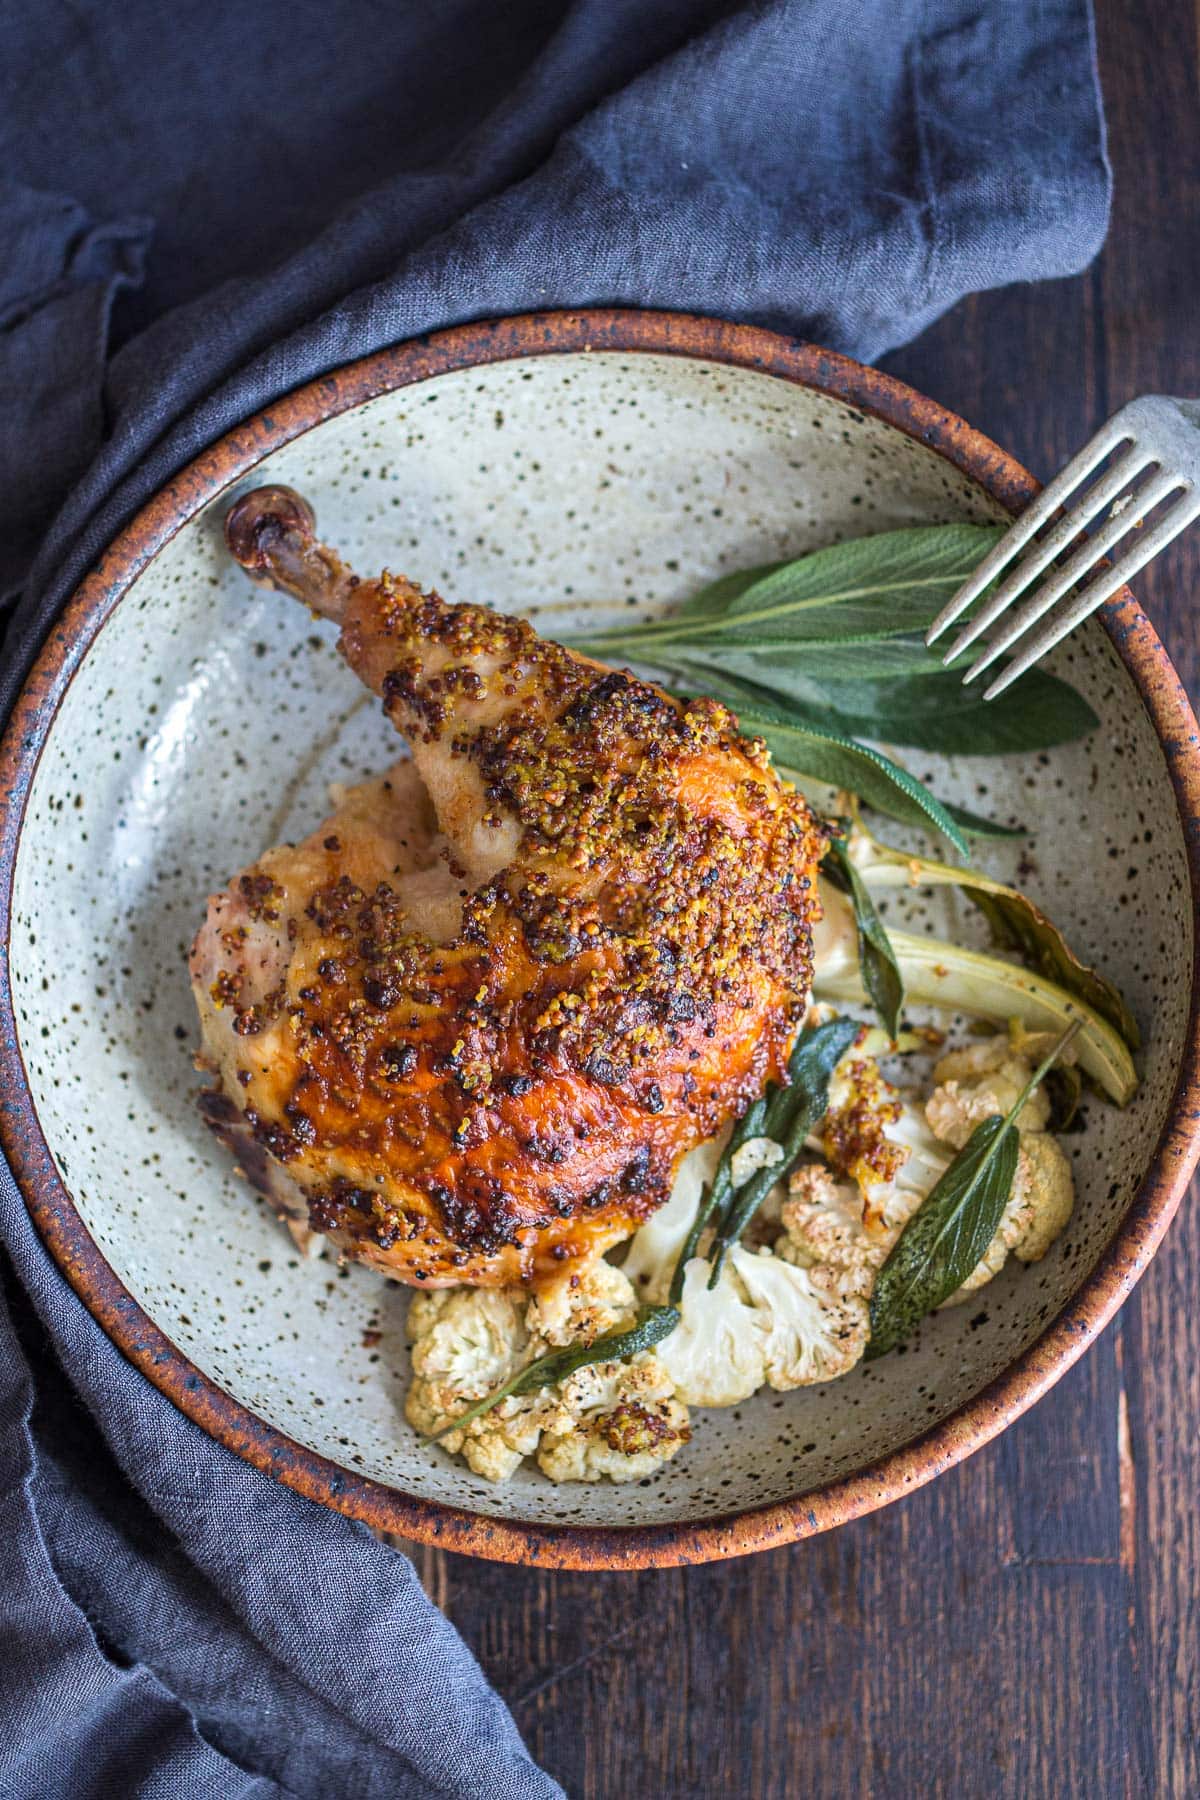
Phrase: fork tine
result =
(1044, 550)
(1076, 566)
(1097, 592)
(1108, 438)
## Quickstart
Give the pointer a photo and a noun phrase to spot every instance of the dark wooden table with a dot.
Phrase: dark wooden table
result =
(1029, 1625)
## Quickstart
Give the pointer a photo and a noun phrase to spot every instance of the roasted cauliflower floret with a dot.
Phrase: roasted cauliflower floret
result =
(815, 1324)
(594, 1298)
(715, 1354)
(895, 1148)
(1043, 1197)
(824, 1222)
(637, 1424)
(617, 1419)
(769, 1321)
(874, 1135)
(466, 1342)
(978, 1081)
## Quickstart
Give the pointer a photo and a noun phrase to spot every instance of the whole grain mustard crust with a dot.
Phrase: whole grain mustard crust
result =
(481, 1106)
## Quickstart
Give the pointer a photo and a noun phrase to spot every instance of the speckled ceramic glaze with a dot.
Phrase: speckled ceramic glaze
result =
(184, 721)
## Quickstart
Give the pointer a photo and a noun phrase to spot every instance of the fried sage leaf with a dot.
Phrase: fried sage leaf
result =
(791, 1114)
(715, 1196)
(880, 970)
(653, 1324)
(951, 1229)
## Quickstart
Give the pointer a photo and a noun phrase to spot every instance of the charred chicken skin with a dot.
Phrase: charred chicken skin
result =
(470, 1026)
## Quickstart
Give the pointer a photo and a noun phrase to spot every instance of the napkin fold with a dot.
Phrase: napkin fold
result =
(202, 207)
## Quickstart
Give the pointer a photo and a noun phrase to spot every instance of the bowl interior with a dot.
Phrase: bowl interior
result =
(207, 721)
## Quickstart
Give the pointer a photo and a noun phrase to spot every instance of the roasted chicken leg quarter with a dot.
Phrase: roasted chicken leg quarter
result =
(470, 1026)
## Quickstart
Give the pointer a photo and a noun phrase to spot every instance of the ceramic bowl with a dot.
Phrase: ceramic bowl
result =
(179, 721)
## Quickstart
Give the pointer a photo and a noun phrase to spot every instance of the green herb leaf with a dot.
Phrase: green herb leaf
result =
(717, 596)
(879, 586)
(799, 670)
(880, 970)
(828, 756)
(896, 579)
(825, 647)
(653, 1324)
(951, 1229)
(897, 691)
(973, 824)
(816, 1053)
(932, 710)
(715, 1196)
(837, 635)
(946, 1237)
(792, 1113)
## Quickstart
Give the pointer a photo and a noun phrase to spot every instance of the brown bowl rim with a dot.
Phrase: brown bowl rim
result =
(150, 1350)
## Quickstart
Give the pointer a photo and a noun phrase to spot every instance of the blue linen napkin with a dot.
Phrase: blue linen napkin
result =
(203, 206)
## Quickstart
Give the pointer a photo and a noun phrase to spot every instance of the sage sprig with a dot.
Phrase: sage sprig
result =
(951, 1229)
(792, 1112)
(817, 652)
(865, 590)
(715, 1197)
(653, 1324)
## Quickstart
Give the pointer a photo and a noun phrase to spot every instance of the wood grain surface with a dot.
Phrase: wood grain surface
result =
(1029, 1625)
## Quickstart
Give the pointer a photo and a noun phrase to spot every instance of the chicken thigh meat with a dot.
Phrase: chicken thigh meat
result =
(472, 1024)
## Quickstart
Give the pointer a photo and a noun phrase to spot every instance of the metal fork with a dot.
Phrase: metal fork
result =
(1159, 443)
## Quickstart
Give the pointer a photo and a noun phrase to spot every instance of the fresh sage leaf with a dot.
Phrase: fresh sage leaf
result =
(880, 970)
(839, 761)
(932, 710)
(878, 586)
(899, 692)
(816, 1053)
(717, 596)
(896, 579)
(835, 640)
(653, 1324)
(791, 670)
(973, 824)
(951, 1229)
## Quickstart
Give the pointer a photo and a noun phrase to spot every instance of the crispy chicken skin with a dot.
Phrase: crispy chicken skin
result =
(476, 1019)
